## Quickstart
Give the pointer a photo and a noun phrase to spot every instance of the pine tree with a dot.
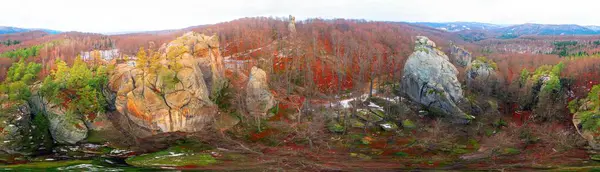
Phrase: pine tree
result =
(174, 54)
(142, 60)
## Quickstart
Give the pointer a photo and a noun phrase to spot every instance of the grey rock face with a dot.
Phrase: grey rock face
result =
(480, 71)
(259, 99)
(15, 128)
(65, 128)
(430, 79)
(460, 56)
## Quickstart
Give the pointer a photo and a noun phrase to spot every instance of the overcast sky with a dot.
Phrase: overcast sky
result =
(107, 16)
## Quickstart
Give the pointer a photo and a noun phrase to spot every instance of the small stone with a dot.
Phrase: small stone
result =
(408, 124)
(389, 126)
(355, 123)
(366, 115)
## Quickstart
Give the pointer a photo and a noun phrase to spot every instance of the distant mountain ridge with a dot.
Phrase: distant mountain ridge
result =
(507, 31)
(9, 30)
(460, 26)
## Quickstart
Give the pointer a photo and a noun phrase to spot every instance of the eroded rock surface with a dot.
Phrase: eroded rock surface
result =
(431, 80)
(460, 56)
(66, 128)
(481, 75)
(259, 98)
(169, 99)
(16, 128)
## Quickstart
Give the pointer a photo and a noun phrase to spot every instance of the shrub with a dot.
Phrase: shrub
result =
(223, 96)
(78, 88)
(18, 77)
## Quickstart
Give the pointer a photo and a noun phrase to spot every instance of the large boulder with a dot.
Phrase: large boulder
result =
(292, 25)
(586, 117)
(481, 75)
(592, 136)
(258, 97)
(431, 80)
(460, 56)
(18, 133)
(66, 128)
(169, 99)
(15, 128)
(206, 48)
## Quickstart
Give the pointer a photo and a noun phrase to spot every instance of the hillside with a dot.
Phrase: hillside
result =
(460, 26)
(276, 94)
(542, 29)
(10, 30)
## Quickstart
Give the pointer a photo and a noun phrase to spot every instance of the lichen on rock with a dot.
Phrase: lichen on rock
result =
(431, 80)
(175, 95)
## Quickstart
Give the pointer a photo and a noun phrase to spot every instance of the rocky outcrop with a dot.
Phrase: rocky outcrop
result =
(431, 80)
(16, 127)
(589, 135)
(292, 25)
(460, 56)
(170, 99)
(66, 128)
(205, 48)
(481, 75)
(258, 97)
(587, 118)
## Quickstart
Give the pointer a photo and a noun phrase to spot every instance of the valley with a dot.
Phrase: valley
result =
(280, 94)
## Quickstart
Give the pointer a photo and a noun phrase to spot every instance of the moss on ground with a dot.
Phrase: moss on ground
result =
(172, 157)
(45, 165)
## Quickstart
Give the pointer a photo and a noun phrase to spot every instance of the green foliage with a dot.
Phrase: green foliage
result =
(44, 165)
(558, 68)
(500, 123)
(508, 36)
(564, 43)
(169, 78)
(79, 87)
(485, 60)
(527, 136)
(223, 96)
(591, 119)
(408, 124)
(401, 154)
(422, 49)
(553, 84)
(174, 53)
(593, 96)
(552, 72)
(18, 78)
(40, 132)
(10, 42)
(568, 48)
(524, 77)
(172, 157)
(511, 151)
(335, 127)
(23, 52)
(573, 105)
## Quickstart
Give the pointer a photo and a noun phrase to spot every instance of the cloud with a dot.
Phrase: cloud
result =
(137, 15)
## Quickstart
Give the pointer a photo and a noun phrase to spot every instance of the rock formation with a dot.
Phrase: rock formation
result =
(430, 80)
(292, 25)
(65, 128)
(481, 75)
(589, 135)
(460, 56)
(170, 98)
(586, 118)
(258, 97)
(16, 128)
